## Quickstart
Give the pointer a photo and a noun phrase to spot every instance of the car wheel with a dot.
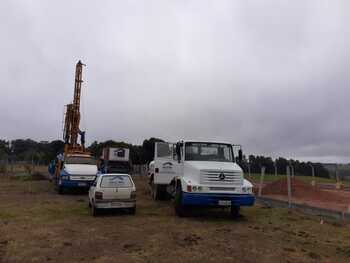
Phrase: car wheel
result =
(235, 211)
(94, 210)
(132, 211)
(180, 208)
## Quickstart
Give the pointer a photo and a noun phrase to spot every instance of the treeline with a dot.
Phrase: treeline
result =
(43, 152)
(300, 168)
(30, 151)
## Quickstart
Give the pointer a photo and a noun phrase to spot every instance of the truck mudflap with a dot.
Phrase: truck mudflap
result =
(213, 199)
(75, 184)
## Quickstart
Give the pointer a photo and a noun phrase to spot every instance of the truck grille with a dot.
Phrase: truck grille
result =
(219, 177)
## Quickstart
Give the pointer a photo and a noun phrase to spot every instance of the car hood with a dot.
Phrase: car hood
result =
(81, 169)
(224, 166)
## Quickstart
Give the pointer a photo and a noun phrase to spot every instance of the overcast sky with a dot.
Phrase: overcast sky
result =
(271, 75)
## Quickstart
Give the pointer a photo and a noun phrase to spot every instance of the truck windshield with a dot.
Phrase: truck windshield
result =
(200, 151)
(79, 160)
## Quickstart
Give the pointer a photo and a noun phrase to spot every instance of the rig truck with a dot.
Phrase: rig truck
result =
(200, 173)
(115, 160)
(75, 168)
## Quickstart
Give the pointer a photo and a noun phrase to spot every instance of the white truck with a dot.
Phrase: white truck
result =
(115, 160)
(199, 173)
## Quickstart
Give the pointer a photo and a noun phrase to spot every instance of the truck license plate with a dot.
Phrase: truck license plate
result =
(81, 184)
(224, 202)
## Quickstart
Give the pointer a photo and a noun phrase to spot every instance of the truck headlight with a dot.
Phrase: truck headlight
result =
(247, 190)
(65, 177)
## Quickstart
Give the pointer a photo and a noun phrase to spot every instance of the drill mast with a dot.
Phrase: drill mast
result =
(72, 117)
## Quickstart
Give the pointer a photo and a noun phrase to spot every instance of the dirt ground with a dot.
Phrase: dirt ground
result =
(37, 225)
(304, 193)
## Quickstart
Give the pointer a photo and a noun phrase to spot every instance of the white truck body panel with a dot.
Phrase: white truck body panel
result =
(200, 173)
(116, 154)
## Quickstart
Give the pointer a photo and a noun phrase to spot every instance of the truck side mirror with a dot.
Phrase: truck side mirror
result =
(178, 152)
(240, 155)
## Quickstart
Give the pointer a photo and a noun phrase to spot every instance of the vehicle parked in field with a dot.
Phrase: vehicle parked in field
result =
(75, 171)
(199, 173)
(115, 160)
(112, 191)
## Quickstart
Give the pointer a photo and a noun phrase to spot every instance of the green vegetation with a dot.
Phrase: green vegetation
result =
(307, 179)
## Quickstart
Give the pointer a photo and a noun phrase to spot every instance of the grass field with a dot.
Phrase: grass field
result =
(37, 225)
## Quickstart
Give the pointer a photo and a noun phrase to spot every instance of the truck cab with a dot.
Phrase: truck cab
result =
(75, 171)
(200, 173)
(115, 160)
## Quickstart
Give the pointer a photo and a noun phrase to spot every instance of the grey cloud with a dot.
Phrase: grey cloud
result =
(271, 75)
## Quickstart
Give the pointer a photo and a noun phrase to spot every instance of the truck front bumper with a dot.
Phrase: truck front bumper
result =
(211, 199)
(75, 184)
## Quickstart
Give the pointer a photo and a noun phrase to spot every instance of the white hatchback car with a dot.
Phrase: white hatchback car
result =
(112, 191)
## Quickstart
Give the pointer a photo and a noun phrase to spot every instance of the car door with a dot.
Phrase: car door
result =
(92, 189)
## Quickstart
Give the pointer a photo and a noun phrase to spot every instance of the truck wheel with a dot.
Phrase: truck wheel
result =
(235, 211)
(180, 208)
(155, 191)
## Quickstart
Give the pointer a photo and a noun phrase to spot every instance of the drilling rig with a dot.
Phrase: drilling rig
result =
(75, 168)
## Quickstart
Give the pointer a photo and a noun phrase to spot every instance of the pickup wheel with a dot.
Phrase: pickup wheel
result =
(235, 211)
(180, 208)
(60, 190)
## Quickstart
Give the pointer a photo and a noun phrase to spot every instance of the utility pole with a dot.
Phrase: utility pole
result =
(249, 168)
(291, 169)
(289, 187)
(275, 164)
(338, 184)
(313, 182)
(261, 179)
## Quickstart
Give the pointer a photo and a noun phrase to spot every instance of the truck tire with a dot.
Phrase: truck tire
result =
(158, 191)
(180, 208)
(235, 211)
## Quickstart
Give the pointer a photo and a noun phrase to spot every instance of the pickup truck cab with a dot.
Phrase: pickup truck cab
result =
(112, 191)
(200, 173)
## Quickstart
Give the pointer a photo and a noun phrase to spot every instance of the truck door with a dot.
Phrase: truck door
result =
(165, 167)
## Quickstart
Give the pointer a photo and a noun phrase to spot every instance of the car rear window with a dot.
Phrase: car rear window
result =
(115, 181)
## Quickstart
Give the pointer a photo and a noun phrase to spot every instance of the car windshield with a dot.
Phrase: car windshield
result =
(115, 181)
(80, 160)
(216, 152)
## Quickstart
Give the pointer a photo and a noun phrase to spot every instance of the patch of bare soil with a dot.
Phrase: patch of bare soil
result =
(38, 225)
(305, 193)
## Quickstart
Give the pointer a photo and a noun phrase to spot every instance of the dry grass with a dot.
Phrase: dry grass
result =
(37, 225)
